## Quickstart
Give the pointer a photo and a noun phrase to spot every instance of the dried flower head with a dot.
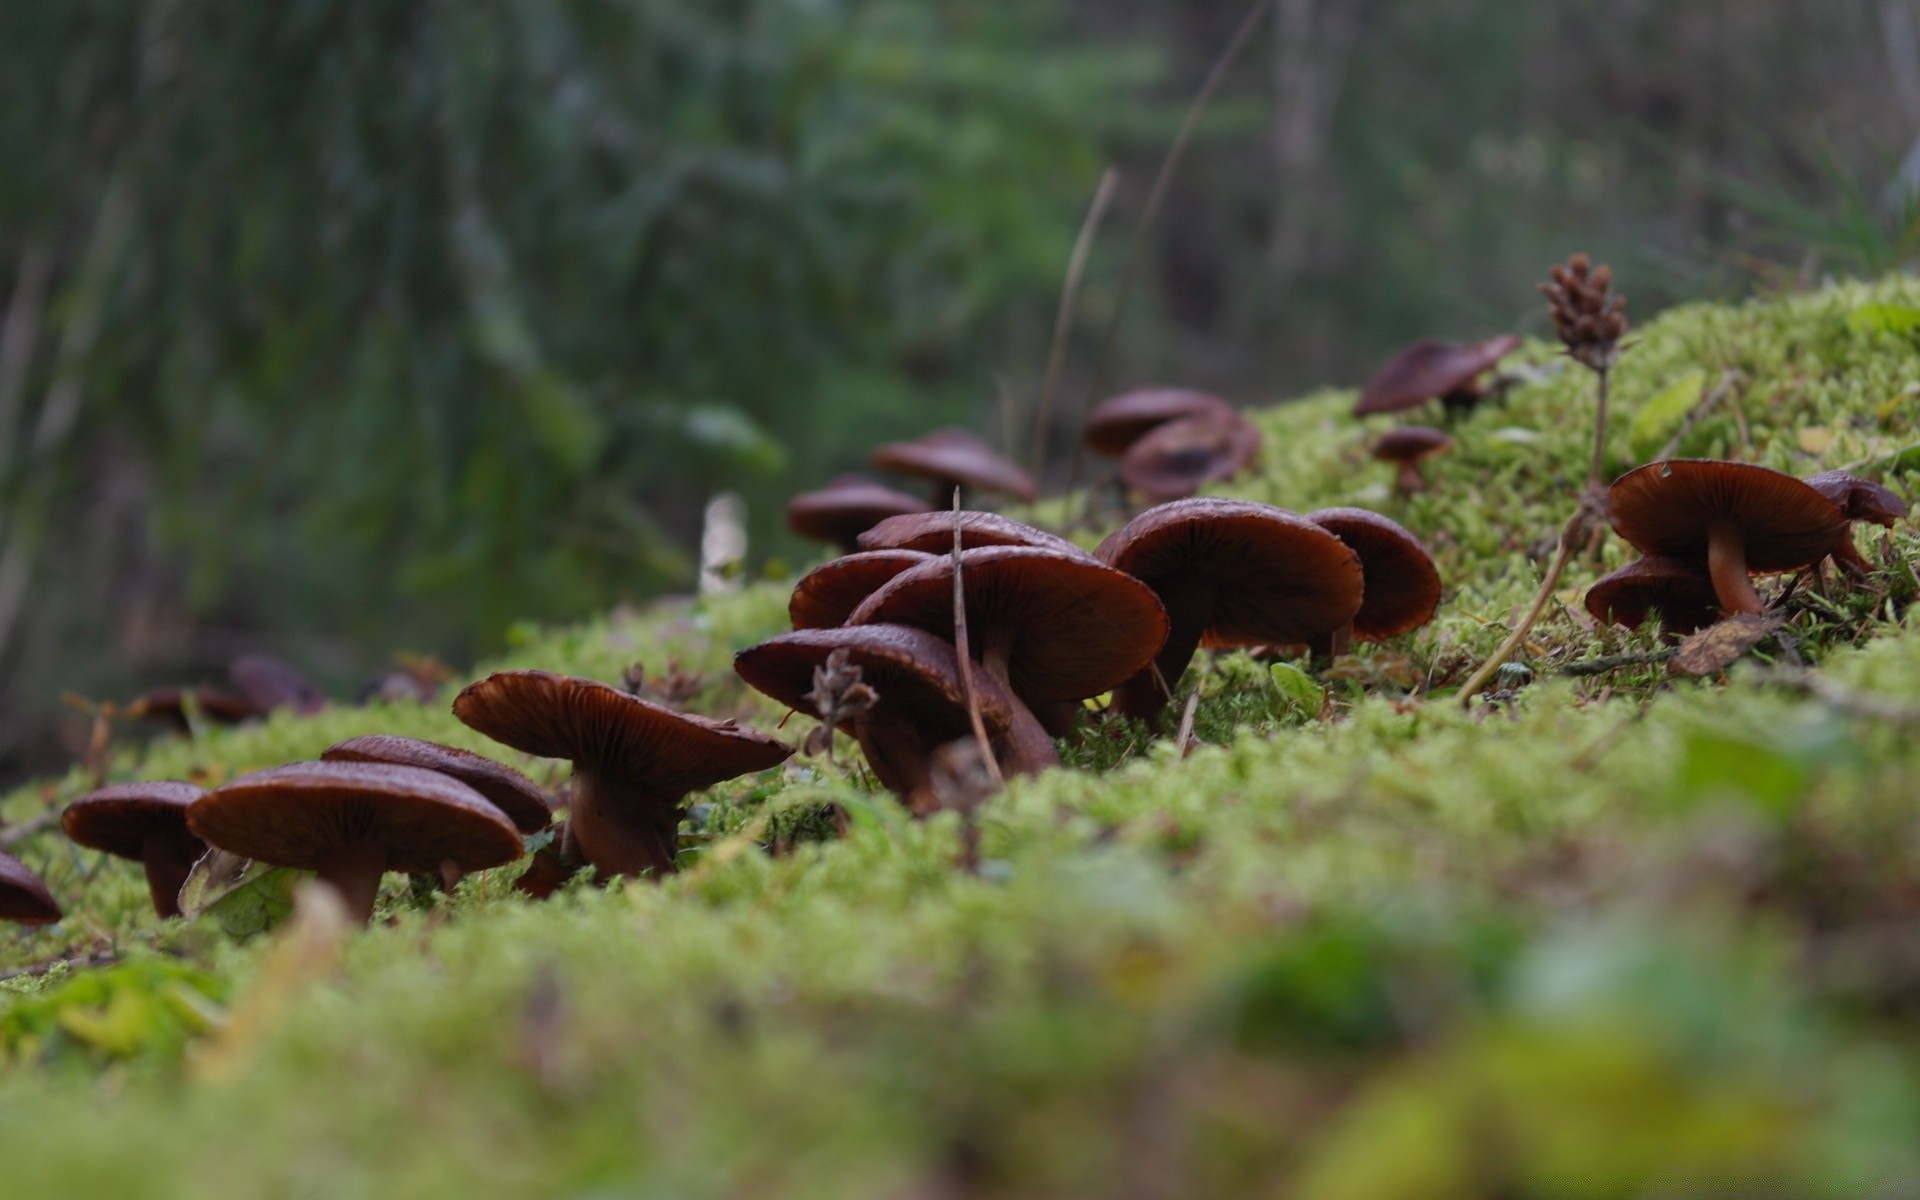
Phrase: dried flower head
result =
(1589, 317)
(838, 695)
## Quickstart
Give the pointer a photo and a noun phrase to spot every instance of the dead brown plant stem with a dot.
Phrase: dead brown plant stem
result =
(1596, 476)
(1136, 251)
(1183, 742)
(963, 652)
(1063, 319)
(1569, 536)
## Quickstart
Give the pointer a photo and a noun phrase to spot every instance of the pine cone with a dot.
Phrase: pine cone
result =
(1588, 318)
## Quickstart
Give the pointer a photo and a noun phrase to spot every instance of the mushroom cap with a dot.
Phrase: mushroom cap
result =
(298, 814)
(1859, 499)
(827, 595)
(1278, 577)
(912, 672)
(1664, 508)
(1072, 627)
(1680, 589)
(1401, 586)
(24, 899)
(955, 457)
(170, 704)
(1429, 368)
(505, 788)
(120, 818)
(605, 729)
(269, 683)
(847, 507)
(1178, 458)
(932, 533)
(1410, 443)
(1119, 421)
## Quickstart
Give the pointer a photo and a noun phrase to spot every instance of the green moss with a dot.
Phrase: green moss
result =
(1615, 933)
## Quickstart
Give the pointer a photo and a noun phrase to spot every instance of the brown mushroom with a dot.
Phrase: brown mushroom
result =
(633, 762)
(1119, 421)
(1680, 591)
(920, 700)
(955, 458)
(351, 822)
(268, 683)
(24, 899)
(1858, 500)
(827, 595)
(932, 533)
(1400, 585)
(846, 508)
(1231, 573)
(505, 788)
(1408, 447)
(1179, 458)
(1739, 517)
(1428, 369)
(146, 822)
(1047, 626)
(169, 705)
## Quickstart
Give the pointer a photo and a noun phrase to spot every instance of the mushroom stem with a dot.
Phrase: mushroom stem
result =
(168, 861)
(622, 829)
(354, 871)
(1847, 556)
(1727, 564)
(1028, 748)
(1409, 477)
(1331, 645)
(1189, 603)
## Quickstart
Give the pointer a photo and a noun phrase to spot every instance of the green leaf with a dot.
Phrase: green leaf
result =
(241, 897)
(1656, 420)
(1885, 318)
(732, 433)
(1301, 690)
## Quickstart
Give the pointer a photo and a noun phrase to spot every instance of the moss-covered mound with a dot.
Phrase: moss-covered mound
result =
(1612, 933)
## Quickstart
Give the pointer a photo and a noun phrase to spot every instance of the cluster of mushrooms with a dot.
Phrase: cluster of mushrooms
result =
(1459, 375)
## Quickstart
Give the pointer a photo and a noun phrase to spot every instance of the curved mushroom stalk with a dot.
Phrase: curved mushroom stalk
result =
(1189, 604)
(1727, 564)
(168, 861)
(1848, 558)
(621, 828)
(353, 871)
(1028, 748)
(1332, 644)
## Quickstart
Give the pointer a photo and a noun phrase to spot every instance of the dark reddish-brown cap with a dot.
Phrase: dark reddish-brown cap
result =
(1070, 627)
(269, 683)
(1859, 499)
(121, 818)
(24, 899)
(1276, 576)
(298, 814)
(932, 533)
(169, 704)
(1119, 421)
(913, 673)
(507, 789)
(1401, 584)
(954, 457)
(1410, 443)
(1182, 456)
(846, 508)
(1665, 508)
(1681, 591)
(587, 722)
(827, 595)
(1427, 369)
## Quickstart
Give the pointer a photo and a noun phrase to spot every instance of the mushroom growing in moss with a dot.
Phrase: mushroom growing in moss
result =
(1679, 590)
(1407, 448)
(1858, 500)
(1428, 369)
(1179, 458)
(505, 788)
(1117, 422)
(954, 458)
(146, 822)
(846, 508)
(24, 899)
(1400, 585)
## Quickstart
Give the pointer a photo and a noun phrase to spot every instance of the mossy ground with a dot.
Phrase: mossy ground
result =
(1613, 934)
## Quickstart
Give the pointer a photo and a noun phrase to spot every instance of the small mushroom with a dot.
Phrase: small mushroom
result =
(169, 706)
(1430, 368)
(24, 899)
(1679, 590)
(633, 762)
(146, 822)
(1401, 586)
(1179, 458)
(1408, 447)
(827, 595)
(932, 533)
(846, 508)
(955, 458)
(268, 683)
(351, 822)
(1231, 573)
(505, 788)
(1739, 517)
(1858, 500)
(1118, 422)
(920, 700)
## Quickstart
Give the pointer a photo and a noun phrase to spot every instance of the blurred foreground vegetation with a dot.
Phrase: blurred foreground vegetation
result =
(1616, 934)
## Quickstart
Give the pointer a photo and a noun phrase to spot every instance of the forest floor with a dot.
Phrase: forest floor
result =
(1609, 932)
